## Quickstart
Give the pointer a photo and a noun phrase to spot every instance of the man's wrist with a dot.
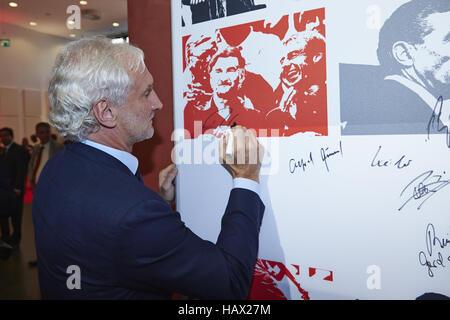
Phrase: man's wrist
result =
(246, 183)
(249, 177)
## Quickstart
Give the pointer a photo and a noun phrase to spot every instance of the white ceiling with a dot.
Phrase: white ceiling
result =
(51, 16)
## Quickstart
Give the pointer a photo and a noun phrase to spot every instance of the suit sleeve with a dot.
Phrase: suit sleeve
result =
(4, 176)
(156, 251)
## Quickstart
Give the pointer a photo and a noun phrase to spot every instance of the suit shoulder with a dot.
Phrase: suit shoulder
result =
(18, 147)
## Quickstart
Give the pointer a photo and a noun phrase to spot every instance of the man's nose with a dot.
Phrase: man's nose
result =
(157, 104)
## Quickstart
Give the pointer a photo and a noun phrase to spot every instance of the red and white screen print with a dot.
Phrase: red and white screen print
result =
(268, 75)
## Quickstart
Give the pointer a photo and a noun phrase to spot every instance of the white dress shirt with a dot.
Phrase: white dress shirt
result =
(132, 163)
(8, 146)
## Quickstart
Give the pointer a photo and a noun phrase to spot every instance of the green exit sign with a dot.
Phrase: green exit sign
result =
(5, 43)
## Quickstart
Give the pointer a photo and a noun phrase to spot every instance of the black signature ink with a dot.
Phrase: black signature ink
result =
(294, 164)
(400, 164)
(325, 155)
(433, 242)
(435, 120)
(423, 187)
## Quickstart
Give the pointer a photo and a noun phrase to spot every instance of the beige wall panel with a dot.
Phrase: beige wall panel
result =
(10, 122)
(9, 102)
(30, 123)
(32, 103)
(45, 106)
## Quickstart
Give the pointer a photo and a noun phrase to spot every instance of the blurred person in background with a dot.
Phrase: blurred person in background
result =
(15, 158)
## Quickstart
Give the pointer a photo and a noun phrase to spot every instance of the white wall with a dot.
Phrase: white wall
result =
(25, 69)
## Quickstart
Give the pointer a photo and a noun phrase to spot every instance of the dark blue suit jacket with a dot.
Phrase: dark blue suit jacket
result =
(89, 210)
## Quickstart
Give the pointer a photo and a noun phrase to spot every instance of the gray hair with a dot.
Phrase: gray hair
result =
(85, 72)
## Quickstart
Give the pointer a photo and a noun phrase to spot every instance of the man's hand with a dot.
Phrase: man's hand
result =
(247, 154)
(166, 183)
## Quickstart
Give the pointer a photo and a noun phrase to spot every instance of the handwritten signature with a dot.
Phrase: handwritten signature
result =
(423, 188)
(400, 164)
(433, 242)
(302, 163)
(308, 162)
(325, 154)
(436, 119)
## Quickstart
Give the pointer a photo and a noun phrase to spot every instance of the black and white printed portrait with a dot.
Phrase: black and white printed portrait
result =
(411, 83)
(195, 11)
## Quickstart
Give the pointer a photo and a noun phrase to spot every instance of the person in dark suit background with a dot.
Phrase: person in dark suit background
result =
(100, 232)
(43, 151)
(414, 74)
(16, 160)
(8, 202)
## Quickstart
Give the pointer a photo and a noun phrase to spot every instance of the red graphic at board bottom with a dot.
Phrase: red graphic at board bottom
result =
(271, 278)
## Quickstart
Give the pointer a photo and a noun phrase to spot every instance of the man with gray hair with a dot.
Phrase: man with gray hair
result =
(100, 232)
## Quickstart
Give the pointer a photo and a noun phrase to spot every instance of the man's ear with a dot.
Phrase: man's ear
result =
(402, 51)
(104, 113)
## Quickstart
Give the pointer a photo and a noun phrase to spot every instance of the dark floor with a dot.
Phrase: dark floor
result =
(17, 279)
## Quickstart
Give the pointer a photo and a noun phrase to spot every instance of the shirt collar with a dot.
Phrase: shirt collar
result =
(130, 161)
(8, 146)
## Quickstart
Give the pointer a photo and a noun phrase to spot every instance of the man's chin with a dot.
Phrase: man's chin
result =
(146, 137)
